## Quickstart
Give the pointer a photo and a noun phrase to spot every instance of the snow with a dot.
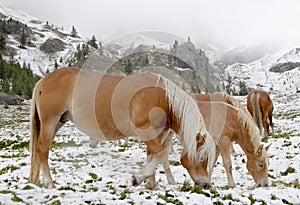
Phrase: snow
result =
(39, 61)
(257, 75)
(72, 162)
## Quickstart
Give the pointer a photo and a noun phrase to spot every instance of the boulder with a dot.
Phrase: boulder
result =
(7, 99)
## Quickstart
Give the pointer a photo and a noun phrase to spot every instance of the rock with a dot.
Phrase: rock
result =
(53, 45)
(7, 99)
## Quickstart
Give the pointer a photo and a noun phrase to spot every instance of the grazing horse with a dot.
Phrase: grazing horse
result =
(227, 120)
(114, 107)
(226, 124)
(261, 108)
(222, 97)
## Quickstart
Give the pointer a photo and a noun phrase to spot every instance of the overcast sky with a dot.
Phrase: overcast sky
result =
(229, 21)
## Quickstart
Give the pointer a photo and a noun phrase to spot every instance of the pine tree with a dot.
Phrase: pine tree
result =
(93, 42)
(2, 41)
(23, 39)
(85, 50)
(55, 64)
(243, 88)
(5, 86)
(74, 32)
(128, 67)
(4, 27)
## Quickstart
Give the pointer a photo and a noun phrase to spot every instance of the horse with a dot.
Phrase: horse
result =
(226, 124)
(107, 107)
(222, 97)
(261, 108)
(227, 120)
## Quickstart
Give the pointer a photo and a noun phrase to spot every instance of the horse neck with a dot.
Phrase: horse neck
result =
(174, 124)
(247, 137)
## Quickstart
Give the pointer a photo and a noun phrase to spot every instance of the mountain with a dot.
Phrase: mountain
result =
(193, 68)
(279, 72)
(167, 54)
(45, 45)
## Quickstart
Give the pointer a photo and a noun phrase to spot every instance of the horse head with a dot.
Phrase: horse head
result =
(200, 168)
(257, 165)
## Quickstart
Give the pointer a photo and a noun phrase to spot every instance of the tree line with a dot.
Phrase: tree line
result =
(16, 79)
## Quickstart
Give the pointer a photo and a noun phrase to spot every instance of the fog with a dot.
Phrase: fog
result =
(220, 22)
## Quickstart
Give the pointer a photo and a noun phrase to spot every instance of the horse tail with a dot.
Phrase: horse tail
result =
(257, 114)
(35, 130)
(34, 126)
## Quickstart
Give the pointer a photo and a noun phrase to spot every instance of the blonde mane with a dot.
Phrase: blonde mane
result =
(191, 121)
(250, 127)
(234, 102)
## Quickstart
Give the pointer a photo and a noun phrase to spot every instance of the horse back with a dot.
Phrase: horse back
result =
(221, 119)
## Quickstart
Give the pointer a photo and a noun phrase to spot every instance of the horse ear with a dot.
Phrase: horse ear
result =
(267, 147)
(259, 150)
(200, 139)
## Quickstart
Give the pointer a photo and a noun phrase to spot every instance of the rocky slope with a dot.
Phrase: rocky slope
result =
(278, 72)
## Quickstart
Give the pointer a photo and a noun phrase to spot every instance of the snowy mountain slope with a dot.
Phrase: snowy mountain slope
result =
(258, 74)
(40, 32)
(148, 39)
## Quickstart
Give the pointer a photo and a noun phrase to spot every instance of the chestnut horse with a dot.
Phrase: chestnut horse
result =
(222, 97)
(261, 108)
(113, 107)
(226, 124)
(227, 120)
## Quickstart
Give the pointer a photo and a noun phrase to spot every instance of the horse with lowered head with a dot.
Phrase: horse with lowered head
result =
(226, 124)
(227, 120)
(261, 108)
(109, 107)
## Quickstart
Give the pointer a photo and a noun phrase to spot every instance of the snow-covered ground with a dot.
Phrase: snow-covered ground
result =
(102, 175)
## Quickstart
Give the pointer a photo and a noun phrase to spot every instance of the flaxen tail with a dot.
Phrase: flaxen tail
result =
(35, 130)
(257, 114)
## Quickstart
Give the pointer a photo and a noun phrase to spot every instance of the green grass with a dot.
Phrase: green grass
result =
(9, 168)
(288, 171)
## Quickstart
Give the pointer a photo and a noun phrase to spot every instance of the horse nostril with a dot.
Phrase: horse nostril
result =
(206, 186)
(263, 183)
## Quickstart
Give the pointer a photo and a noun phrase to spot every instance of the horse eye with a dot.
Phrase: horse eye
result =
(261, 164)
(201, 159)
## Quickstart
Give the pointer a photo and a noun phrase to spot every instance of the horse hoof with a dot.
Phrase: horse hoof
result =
(151, 186)
(134, 181)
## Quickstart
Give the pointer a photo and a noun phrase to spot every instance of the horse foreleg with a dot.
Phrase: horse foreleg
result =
(148, 171)
(224, 148)
(168, 147)
(157, 153)
(44, 141)
(170, 177)
(151, 180)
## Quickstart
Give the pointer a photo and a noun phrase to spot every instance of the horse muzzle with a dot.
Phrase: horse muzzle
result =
(263, 182)
(203, 183)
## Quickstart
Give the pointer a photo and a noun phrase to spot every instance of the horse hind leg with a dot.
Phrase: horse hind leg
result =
(46, 137)
(271, 125)
(266, 125)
